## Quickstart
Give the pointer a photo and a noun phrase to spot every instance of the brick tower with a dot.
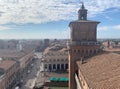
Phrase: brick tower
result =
(83, 42)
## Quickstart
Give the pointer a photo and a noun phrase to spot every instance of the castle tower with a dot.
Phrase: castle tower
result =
(83, 42)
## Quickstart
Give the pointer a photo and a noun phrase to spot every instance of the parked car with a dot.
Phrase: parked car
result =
(28, 71)
(17, 87)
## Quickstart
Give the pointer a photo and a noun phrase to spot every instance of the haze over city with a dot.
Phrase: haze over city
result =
(35, 19)
(59, 44)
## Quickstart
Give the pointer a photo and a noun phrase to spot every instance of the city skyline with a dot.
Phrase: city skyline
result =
(39, 19)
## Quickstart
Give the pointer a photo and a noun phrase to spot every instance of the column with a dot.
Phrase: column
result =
(64, 67)
(47, 67)
(56, 66)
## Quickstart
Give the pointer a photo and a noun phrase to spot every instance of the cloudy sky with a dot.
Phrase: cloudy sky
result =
(34, 19)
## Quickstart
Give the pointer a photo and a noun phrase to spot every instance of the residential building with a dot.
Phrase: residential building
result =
(8, 74)
(23, 60)
(55, 58)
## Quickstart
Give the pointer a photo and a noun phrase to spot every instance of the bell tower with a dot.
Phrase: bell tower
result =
(83, 42)
(82, 13)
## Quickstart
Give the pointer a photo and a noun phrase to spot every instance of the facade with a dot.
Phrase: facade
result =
(22, 63)
(83, 43)
(25, 63)
(11, 44)
(8, 74)
(55, 59)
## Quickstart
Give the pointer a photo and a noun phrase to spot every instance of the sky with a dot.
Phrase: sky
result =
(40, 19)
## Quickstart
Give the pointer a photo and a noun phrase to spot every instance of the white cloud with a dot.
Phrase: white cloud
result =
(115, 27)
(40, 11)
(4, 28)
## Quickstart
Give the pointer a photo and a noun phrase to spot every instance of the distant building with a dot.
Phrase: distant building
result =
(46, 42)
(8, 44)
(19, 47)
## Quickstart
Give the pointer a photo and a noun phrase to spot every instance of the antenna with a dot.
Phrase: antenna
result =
(82, 7)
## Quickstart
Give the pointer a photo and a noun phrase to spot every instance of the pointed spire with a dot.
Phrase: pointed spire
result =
(82, 13)
(82, 7)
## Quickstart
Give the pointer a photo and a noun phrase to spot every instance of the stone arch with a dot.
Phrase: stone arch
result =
(50, 67)
(62, 66)
(75, 50)
(58, 66)
(54, 66)
(45, 67)
(66, 66)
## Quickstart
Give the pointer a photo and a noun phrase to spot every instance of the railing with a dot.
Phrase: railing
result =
(83, 43)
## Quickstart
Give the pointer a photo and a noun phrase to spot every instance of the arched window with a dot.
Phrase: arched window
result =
(66, 66)
(62, 66)
(50, 67)
(74, 51)
(54, 66)
(78, 51)
(58, 66)
(45, 66)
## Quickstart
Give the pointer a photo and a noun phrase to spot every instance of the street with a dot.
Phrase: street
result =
(30, 78)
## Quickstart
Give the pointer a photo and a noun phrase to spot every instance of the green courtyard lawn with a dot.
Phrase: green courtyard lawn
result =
(58, 87)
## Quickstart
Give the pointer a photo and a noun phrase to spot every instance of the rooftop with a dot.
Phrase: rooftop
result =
(6, 64)
(83, 21)
(55, 49)
(102, 71)
(6, 53)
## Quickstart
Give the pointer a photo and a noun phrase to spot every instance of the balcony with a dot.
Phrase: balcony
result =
(76, 43)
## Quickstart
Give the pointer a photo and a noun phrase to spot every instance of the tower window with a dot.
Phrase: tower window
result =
(75, 51)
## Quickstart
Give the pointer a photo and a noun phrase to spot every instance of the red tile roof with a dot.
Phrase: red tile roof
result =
(102, 71)
(6, 64)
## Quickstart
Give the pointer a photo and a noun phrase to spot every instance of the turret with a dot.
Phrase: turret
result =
(82, 13)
